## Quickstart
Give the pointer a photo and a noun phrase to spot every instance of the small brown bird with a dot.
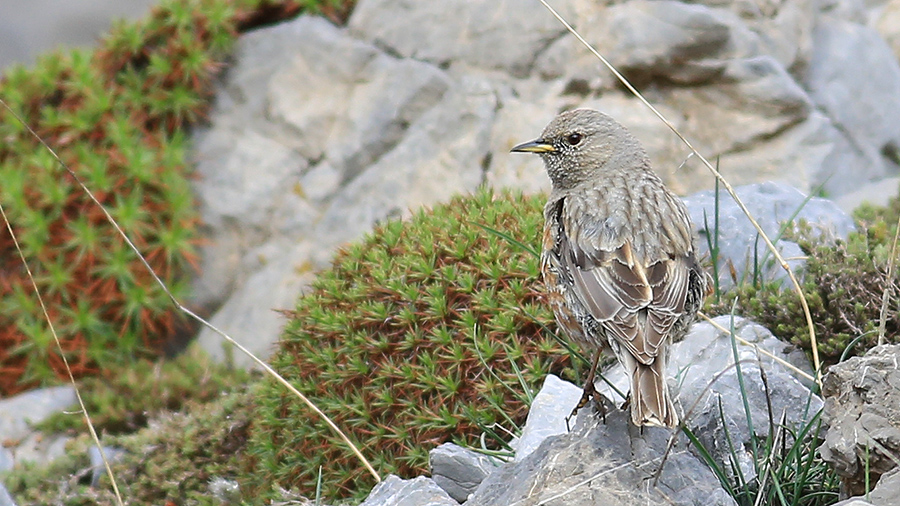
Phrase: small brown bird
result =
(618, 254)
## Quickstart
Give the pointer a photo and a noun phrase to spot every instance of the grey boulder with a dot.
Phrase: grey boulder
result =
(609, 463)
(459, 470)
(862, 409)
(421, 491)
(711, 391)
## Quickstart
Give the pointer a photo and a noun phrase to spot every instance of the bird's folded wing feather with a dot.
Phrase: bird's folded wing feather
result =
(636, 301)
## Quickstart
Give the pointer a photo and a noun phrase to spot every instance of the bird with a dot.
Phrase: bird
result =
(618, 256)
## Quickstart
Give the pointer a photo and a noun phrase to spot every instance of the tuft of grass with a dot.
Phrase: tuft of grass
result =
(845, 284)
(789, 470)
(427, 331)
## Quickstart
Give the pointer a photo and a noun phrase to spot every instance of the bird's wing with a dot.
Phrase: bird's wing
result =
(636, 301)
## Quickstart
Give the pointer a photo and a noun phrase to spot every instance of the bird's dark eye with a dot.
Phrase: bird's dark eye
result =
(573, 139)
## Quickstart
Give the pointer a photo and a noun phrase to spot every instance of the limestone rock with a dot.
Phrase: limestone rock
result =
(489, 35)
(310, 148)
(5, 498)
(19, 412)
(862, 409)
(878, 193)
(441, 155)
(737, 98)
(887, 491)
(7, 460)
(704, 377)
(608, 463)
(516, 122)
(280, 113)
(420, 491)
(855, 80)
(887, 23)
(319, 131)
(98, 467)
(681, 41)
(547, 415)
(39, 449)
(459, 470)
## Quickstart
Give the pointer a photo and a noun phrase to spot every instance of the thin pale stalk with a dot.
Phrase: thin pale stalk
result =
(781, 261)
(889, 288)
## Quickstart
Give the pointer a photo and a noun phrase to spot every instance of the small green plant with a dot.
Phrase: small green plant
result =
(844, 284)
(420, 334)
(115, 117)
(788, 469)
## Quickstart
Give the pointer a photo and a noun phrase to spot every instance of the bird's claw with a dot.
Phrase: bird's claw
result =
(589, 393)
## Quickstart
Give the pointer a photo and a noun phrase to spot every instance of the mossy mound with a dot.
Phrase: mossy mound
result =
(117, 116)
(429, 330)
(844, 284)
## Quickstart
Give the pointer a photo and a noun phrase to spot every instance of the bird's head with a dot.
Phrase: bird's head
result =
(583, 145)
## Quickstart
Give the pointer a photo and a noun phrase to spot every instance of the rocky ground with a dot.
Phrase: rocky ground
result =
(320, 131)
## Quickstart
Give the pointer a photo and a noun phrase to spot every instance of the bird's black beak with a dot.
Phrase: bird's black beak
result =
(538, 146)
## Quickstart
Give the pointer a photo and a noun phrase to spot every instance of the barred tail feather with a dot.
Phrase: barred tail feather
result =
(650, 400)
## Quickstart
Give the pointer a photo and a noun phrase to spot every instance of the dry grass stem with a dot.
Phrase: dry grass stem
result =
(728, 187)
(770, 458)
(888, 288)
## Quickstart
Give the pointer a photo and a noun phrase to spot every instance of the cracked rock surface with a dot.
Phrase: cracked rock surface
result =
(862, 409)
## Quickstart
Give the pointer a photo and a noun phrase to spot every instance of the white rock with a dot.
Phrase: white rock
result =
(249, 316)
(40, 449)
(18, 413)
(421, 491)
(547, 415)
(5, 498)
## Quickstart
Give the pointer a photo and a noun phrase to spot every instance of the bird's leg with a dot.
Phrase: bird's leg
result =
(598, 398)
(590, 392)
